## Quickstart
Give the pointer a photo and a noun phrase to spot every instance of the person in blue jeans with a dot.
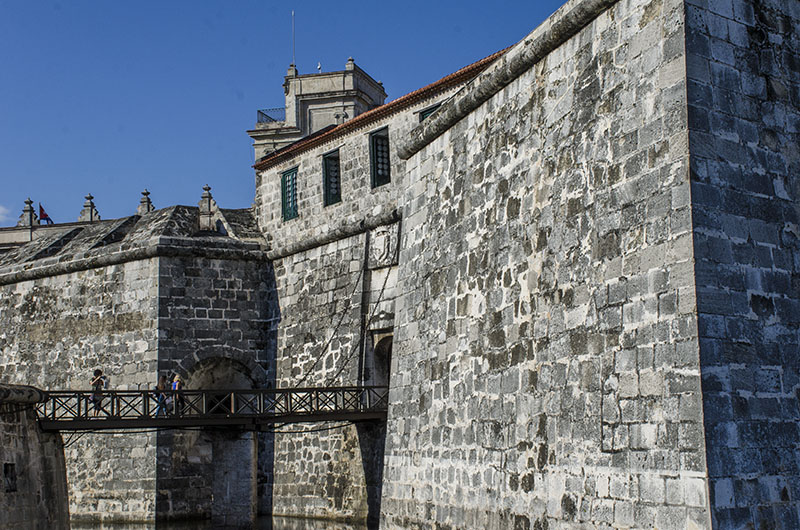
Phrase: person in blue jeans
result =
(177, 401)
(161, 395)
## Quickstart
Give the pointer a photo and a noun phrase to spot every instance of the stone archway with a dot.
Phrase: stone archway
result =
(382, 356)
(372, 434)
(220, 373)
(221, 463)
(378, 359)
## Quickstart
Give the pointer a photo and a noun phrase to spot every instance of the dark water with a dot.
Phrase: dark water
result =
(263, 523)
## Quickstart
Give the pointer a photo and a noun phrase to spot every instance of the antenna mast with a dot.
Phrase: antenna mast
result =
(293, 59)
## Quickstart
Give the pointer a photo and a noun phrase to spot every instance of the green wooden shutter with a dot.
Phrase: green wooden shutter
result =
(379, 158)
(289, 194)
(332, 185)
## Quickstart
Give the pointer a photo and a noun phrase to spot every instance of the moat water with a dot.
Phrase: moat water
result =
(263, 523)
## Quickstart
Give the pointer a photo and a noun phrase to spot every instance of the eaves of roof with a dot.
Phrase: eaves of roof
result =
(378, 113)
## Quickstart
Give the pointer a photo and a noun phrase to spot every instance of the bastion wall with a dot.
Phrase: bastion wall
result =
(547, 357)
(56, 331)
(743, 62)
(34, 486)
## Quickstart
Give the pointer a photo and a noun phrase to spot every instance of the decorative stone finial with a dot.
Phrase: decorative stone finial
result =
(145, 205)
(89, 214)
(351, 64)
(28, 217)
(292, 71)
(208, 208)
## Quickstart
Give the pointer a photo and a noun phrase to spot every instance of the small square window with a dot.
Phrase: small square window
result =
(379, 157)
(289, 194)
(331, 181)
(424, 113)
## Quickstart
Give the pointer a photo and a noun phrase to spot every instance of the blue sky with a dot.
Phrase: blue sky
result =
(111, 97)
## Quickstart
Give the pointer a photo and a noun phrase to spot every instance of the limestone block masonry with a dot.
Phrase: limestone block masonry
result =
(33, 492)
(547, 353)
(581, 284)
(139, 297)
(55, 332)
(743, 72)
(334, 473)
(601, 218)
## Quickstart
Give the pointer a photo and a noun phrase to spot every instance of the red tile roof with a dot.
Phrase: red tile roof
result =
(313, 140)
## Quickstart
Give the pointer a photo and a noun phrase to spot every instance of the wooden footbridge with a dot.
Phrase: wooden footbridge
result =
(244, 409)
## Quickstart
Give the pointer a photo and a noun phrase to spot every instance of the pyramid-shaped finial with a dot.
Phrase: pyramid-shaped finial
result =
(145, 204)
(89, 214)
(208, 207)
(28, 217)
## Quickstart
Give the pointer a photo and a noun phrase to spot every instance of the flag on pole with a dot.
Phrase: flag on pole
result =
(43, 217)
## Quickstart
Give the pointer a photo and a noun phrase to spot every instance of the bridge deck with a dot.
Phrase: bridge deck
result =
(243, 409)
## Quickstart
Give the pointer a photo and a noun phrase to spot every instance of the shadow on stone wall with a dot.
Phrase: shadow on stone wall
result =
(372, 442)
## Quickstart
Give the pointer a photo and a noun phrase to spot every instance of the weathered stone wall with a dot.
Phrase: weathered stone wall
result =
(744, 118)
(215, 322)
(335, 301)
(33, 494)
(216, 308)
(361, 204)
(54, 331)
(139, 297)
(329, 295)
(547, 371)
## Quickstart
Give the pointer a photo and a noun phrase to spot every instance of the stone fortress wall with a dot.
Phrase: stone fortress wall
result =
(547, 348)
(586, 259)
(336, 276)
(34, 486)
(57, 330)
(632, 210)
(743, 87)
(213, 322)
(139, 297)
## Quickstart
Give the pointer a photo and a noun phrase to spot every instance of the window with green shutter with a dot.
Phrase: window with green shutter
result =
(331, 181)
(289, 194)
(379, 157)
(424, 113)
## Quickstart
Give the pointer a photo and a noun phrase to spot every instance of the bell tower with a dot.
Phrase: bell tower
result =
(313, 102)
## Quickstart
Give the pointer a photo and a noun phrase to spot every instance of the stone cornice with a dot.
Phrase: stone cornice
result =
(331, 236)
(552, 33)
(155, 248)
(21, 394)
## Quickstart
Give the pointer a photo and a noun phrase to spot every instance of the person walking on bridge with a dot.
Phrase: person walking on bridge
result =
(98, 383)
(177, 399)
(161, 396)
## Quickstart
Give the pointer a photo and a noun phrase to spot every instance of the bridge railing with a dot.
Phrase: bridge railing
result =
(137, 408)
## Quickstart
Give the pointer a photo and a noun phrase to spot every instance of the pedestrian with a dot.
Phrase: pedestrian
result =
(98, 383)
(177, 399)
(161, 395)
